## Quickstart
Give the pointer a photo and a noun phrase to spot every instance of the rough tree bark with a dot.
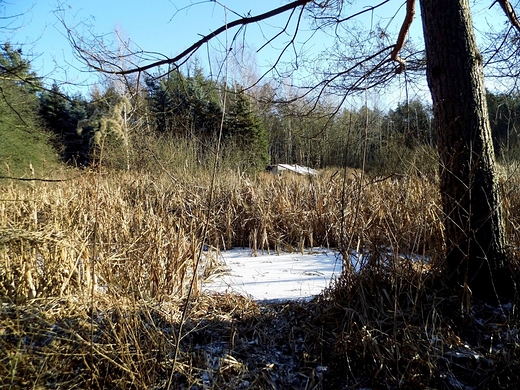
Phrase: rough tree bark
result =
(476, 255)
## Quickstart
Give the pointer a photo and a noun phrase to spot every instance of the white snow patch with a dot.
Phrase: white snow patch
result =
(272, 277)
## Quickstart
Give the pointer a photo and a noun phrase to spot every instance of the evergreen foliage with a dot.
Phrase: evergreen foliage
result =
(18, 86)
(184, 105)
(61, 115)
(16, 70)
(245, 130)
(191, 107)
(25, 146)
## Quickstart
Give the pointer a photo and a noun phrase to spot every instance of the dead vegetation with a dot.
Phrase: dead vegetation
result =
(94, 274)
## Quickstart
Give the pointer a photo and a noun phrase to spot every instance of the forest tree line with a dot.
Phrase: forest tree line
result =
(255, 130)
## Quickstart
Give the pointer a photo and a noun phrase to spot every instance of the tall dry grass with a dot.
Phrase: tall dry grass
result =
(140, 234)
(94, 270)
(116, 232)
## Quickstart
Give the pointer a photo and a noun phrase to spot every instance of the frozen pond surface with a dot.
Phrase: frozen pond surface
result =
(271, 277)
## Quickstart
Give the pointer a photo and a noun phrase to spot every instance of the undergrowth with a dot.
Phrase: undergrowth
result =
(95, 271)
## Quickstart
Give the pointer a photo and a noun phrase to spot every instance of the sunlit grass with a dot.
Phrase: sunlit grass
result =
(95, 270)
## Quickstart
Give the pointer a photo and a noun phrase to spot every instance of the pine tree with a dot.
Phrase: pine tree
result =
(186, 106)
(247, 132)
(18, 85)
(61, 115)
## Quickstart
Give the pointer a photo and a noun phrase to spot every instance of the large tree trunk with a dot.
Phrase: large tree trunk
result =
(476, 256)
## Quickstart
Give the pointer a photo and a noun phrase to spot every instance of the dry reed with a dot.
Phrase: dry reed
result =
(93, 272)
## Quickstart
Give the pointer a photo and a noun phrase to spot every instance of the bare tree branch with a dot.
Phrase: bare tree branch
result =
(502, 54)
(193, 48)
(35, 179)
(338, 20)
(286, 47)
(405, 28)
(510, 12)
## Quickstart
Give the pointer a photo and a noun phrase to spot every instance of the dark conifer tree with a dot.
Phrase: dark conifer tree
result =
(61, 115)
(246, 131)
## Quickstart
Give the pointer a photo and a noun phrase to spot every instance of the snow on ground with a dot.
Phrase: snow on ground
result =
(272, 277)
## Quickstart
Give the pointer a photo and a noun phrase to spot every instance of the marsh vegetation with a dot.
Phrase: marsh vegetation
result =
(96, 269)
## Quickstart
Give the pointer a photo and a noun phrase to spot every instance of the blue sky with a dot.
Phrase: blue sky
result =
(167, 27)
(161, 26)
